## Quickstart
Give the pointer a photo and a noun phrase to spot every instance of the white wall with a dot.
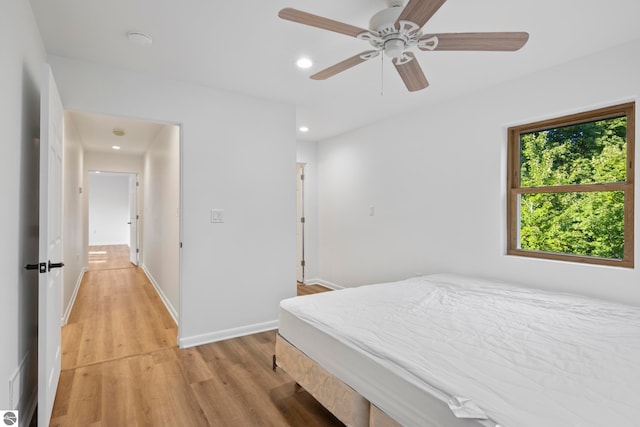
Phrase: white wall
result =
(21, 69)
(114, 162)
(162, 215)
(306, 152)
(109, 212)
(74, 257)
(437, 181)
(238, 154)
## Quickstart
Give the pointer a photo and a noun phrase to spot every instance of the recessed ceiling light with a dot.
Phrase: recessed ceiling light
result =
(115, 147)
(118, 132)
(303, 129)
(304, 63)
(141, 39)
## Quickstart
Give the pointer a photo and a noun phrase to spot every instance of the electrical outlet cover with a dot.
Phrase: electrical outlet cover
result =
(217, 216)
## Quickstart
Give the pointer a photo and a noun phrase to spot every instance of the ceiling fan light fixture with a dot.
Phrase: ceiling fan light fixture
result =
(393, 48)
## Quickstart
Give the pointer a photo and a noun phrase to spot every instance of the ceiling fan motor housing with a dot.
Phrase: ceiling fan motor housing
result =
(389, 38)
(383, 21)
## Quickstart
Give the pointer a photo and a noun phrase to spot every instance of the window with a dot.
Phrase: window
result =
(570, 187)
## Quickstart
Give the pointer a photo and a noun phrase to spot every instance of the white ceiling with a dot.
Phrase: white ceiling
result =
(242, 46)
(96, 131)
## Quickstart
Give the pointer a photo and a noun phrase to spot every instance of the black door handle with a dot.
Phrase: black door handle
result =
(42, 267)
(55, 265)
(129, 223)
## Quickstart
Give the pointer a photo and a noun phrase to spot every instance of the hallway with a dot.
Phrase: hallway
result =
(117, 314)
(118, 322)
(121, 365)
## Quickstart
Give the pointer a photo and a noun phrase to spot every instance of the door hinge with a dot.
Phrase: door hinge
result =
(180, 245)
(302, 263)
(301, 177)
(137, 250)
(137, 217)
(137, 184)
(302, 220)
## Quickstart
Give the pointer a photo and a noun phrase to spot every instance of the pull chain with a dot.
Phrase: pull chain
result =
(381, 73)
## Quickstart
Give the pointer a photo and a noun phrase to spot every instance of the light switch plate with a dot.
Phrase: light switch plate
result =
(217, 216)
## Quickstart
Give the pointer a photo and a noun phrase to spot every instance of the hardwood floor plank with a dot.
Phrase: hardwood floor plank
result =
(63, 394)
(109, 257)
(85, 400)
(172, 408)
(311, 289)
(194, 367)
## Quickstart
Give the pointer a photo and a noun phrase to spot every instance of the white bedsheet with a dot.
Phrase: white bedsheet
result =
(525, 357)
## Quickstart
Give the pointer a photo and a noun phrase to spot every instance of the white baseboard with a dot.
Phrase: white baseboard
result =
(211, 337)
(172, 311)
(323, 283)
(227, 334)
(67, 312)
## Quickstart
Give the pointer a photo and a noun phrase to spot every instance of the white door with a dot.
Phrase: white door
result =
(133, 219)
(50, 251)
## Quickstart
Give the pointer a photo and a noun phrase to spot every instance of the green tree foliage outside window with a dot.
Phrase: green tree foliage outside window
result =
(570, 187)
(580, 223)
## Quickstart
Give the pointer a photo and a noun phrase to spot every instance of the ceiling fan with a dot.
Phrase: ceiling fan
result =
(395, 30)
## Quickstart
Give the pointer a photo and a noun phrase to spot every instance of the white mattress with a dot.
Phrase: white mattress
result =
(526, 358)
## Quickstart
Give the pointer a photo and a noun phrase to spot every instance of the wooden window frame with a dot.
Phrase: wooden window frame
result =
(514, 190)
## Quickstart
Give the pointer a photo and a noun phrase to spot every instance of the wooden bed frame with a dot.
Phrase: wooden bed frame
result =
(343, 402)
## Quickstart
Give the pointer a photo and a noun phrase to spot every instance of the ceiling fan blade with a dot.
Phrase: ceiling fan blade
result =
(345, 65)
(419, 11)
(410, 72)
(506, 41)
(319, 22)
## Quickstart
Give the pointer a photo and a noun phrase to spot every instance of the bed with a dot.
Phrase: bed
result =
(453, 351)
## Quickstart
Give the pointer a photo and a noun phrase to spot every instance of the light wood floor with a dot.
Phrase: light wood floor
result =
(122, 367)
(310, 289)
(117, 313)
(109, 257)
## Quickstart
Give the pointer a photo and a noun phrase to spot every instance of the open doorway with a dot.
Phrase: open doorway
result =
(113, 220)
(136, 221)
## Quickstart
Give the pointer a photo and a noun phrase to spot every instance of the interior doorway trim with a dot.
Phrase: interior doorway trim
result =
(300, 223)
